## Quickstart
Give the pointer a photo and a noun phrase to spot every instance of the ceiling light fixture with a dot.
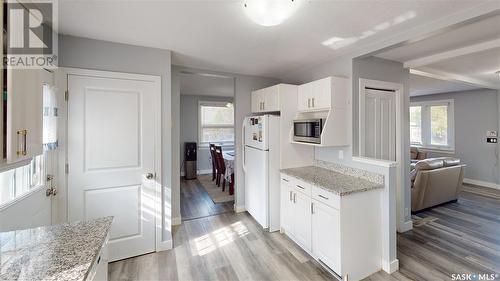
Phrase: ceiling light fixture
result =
(270, 12)
(497, 73)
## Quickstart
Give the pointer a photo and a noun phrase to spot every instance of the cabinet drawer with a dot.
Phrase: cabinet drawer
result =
(297, 184)
(329, 198)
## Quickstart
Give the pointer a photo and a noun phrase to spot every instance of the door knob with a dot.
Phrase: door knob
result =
(150, 176)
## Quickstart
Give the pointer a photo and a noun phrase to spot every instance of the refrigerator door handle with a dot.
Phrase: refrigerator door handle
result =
(243, 145)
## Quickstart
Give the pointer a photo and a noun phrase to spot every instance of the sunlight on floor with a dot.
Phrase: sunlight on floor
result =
(219, 238)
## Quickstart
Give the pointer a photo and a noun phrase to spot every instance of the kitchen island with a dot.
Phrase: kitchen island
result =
(72, 251)
(336, 216)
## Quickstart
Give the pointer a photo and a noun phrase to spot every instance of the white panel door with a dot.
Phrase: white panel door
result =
(326, 235)
(380, 125)
(256, 184)
(111, 150)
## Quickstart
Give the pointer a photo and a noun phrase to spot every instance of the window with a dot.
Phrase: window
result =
(432, 124)
(216, 124)
(19, 181)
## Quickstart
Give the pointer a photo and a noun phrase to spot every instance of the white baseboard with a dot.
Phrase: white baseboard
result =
(482, 183)
(176, 221)
(405, 226)
(390, 267)
(239, 209)
(200, 172)
(165, 246)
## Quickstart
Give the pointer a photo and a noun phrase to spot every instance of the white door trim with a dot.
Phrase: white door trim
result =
(400, 115)
(62, 83)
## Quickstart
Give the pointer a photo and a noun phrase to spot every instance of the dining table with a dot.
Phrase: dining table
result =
(229, 175)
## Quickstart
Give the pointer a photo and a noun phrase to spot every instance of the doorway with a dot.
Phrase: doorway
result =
(206, 119)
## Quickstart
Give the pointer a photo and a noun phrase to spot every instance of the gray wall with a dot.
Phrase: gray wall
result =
(189, 128)
(102, 55)
(243, 85)
(475, 113)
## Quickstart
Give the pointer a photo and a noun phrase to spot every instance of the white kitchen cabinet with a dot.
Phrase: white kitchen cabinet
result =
(302, 219)
(25, 113)
(257, 101)
(342, 232)
(323, 94)
(266, 100)
(326, 234)
(286, 206)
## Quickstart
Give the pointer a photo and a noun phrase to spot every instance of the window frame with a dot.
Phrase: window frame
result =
(426, 125)
(202, 143)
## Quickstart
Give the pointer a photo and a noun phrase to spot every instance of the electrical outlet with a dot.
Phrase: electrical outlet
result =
(407, 211)
(341, 154)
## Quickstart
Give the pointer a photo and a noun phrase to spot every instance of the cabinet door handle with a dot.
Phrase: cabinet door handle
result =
(326, 198)
(23, 134)
(312, 207)
(285, 180)
(313, 102)
(291, 195)
(300, 186)
(308, 103)
(295, 198)
(263, 105)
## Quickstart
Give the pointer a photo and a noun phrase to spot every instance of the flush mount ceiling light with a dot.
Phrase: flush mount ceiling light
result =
(270, 12)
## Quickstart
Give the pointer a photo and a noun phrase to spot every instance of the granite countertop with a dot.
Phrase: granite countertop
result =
(58, 252)
(332, 181)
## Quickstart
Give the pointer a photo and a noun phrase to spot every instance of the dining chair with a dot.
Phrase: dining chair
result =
(221, 167)
(214, 165)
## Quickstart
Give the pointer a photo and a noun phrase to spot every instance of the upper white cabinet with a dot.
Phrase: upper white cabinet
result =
(323, 94)
(24, 114)
(266, 100)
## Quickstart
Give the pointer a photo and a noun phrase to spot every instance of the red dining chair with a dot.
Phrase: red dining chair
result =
(214, 164)
(221, 167)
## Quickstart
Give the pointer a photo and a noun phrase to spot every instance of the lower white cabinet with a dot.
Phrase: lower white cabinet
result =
(302, 219)
(99, 270)
(326, 234)
(342, 232)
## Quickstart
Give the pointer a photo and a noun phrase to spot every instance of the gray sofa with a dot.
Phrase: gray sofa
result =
(435, 181)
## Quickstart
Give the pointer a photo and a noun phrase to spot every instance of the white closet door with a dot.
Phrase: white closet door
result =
(380, 125)
(111, 158)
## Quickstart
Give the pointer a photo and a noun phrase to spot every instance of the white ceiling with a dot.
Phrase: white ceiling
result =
(469, 34)
(421, 85)
(437, 57)
(216, 35)
(203, 85)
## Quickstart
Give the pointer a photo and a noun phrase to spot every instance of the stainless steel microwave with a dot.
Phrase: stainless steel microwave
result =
(307, 130)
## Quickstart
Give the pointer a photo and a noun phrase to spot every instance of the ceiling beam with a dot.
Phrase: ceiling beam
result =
(446, 76)
(475, 48)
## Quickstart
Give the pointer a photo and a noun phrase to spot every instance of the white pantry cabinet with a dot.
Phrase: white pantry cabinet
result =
(24, 121)
(342, 232)
(266, 100)
(323, 94)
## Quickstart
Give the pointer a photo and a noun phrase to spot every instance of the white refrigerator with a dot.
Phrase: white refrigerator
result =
(261, 165)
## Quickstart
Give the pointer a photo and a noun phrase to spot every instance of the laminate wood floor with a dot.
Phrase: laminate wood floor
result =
(196, 203)
(462, 237)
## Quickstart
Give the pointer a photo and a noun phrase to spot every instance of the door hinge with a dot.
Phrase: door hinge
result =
(66, 96)
(66, 168)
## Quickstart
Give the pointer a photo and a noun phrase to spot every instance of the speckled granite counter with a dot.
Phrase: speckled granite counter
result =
(59, 252)
(332, 181)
